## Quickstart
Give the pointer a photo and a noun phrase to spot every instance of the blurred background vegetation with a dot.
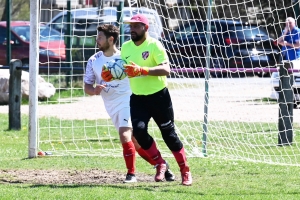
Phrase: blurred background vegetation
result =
(19, 11)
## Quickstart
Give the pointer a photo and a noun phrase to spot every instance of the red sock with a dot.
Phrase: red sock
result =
(129, 156)
(145, 156)
(180, 158)
(154, 154)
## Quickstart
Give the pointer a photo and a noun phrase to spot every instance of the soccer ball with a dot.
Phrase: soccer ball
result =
(116, 68)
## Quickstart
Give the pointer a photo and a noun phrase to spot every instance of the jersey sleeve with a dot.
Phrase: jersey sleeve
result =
(160, 53)
(89, 77)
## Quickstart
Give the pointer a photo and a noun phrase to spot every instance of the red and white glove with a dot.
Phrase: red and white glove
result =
(133, 70)
(106, 75)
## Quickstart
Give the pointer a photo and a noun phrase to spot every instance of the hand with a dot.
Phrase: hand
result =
(98, 88)
(286, 30)
(106, 75)
(133, 70)
(281, 43)
(284, 43)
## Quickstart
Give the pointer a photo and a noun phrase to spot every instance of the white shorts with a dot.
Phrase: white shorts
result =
(122, 118)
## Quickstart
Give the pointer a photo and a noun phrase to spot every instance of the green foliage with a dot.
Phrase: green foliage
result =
(19, 11)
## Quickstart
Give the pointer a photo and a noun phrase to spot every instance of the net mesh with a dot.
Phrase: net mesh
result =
(241, 108)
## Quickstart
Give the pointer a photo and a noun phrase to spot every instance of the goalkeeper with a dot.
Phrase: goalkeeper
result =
(116, 96)
(148, 69)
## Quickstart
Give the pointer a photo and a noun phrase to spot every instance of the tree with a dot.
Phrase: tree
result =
(19, 10)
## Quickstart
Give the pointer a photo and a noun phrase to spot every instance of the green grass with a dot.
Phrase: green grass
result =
(214, 178)
(265, 100)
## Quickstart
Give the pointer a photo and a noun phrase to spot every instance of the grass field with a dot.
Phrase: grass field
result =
(213, 178)
(93, 177)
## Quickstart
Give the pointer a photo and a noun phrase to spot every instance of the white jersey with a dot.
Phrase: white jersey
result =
(117, 93)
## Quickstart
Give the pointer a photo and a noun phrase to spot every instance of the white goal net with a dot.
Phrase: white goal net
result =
(224, 84)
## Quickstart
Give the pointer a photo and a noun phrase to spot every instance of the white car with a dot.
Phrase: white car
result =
(108, 14)
(275, 79)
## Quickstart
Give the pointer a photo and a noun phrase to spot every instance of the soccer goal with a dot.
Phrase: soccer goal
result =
(222, 55)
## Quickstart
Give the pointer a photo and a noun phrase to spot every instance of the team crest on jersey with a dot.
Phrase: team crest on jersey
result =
(145, 55)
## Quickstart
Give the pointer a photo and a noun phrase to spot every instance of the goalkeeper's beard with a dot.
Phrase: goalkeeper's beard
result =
(136, 37)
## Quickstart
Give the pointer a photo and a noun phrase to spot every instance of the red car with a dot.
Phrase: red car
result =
(52, 46)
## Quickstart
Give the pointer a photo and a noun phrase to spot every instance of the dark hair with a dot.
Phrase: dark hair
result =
(109, 30)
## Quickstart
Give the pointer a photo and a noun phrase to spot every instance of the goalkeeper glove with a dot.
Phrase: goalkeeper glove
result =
(133, 70)
(105, 74)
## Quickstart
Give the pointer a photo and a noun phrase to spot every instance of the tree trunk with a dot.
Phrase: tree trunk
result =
(94, 2)
(3, 18)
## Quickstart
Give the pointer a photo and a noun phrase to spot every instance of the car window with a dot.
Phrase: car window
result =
(186, 31)
(87, 23)
(110, 11)
(60, 23)
(85, 12)
(46, 34)
(2, 35)
(22, 32)
(247, 31)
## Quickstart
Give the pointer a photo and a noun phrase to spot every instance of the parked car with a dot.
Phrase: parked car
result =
(82, 16)
(51, 47)
(155, 27)
(275, 79)
(234, 44)
(90, 22)
(84, 29)
(83, 42)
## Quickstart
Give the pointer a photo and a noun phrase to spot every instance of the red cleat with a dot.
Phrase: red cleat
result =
(160, 172)
(186, 177)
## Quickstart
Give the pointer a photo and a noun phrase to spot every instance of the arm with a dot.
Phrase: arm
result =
(280, 40)
(133, 70)
(296, 45)
(295, 42)
(162, 69)
(91, 90)
(89, 79)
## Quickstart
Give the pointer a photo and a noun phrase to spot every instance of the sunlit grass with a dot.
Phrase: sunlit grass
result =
(214, 177)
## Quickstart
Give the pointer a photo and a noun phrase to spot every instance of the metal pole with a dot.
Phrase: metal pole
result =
(68, 44)
(206, 96)
(120, 21)
(286, 105)
(33, 76)
(8, 33)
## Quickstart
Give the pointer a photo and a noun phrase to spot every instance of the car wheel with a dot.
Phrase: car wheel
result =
(296, 104)
(262, 74)
(217, 63)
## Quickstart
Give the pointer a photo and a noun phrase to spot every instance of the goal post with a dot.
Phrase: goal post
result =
(33, 132)
(222, 55)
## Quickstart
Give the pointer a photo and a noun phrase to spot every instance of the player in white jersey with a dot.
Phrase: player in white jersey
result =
(116, 96)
